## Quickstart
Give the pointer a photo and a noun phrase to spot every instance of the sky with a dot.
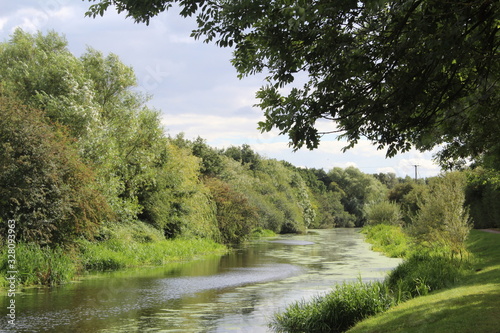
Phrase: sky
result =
(194, 85)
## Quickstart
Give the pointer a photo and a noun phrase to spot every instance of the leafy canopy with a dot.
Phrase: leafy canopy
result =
(400, 73)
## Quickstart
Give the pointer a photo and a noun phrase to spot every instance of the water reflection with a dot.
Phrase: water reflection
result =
(237, 292)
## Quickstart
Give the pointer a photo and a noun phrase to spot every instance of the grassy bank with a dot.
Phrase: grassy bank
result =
(123, 247)
(471, 305)
(447, 284)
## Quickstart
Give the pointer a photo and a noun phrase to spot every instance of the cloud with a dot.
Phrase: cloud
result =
(194, 84)
(3, 22)
(35, 18)
(211, 127)
(386, 170)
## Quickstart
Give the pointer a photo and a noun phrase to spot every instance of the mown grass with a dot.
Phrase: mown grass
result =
(471, 305)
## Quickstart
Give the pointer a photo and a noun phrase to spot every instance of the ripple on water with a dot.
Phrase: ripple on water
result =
(292, 242)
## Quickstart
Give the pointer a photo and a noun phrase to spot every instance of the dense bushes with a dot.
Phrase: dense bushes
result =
(383, 212)
(483, 197)
(235, 216)
(44, 185)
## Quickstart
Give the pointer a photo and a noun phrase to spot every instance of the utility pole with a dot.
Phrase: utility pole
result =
(416, 166)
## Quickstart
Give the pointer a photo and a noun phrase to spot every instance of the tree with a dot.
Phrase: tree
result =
(41, 71)
(400, 72)
(235, 215)
(44, 185)
(211, 162)
(442, 219)
(357, 190)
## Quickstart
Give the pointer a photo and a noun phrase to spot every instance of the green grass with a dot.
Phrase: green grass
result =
(336, 311)
(117, 254)
(472, 305)
(389, 239)
(39, 265)
(121, 246)
(428, 292)
(261, 233)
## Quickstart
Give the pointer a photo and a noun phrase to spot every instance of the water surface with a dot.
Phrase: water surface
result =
(237, 292)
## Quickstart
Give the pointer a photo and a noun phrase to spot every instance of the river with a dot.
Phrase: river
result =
(237, 292)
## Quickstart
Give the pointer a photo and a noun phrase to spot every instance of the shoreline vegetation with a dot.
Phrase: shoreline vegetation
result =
(132, 246)
(430, 291)
(126, 247)
(91, 180)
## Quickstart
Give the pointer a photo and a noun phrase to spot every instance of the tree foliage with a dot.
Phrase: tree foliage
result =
(443, 218)
(400, 73)
(44, 185)
(236, 217)
(357, 190)
(483, 197)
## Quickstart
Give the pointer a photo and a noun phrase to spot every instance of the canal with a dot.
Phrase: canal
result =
(237, 292)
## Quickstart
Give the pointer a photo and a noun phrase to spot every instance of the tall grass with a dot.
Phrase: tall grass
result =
(127, 245)
(389, 239)
(422, 273)
(336, 311)
(116, 254)
(138, 244)
(40, 265)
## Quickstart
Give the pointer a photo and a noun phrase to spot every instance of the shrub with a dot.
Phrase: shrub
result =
(235, 216)
(383, 212)
(442, 222)
(44, 185)
(336, 311)
(422, 273)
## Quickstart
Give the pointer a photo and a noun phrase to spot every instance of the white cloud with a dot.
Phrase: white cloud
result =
(36, 18)
(211, 127)
(194, 84)
(386, 170)
(3, 22)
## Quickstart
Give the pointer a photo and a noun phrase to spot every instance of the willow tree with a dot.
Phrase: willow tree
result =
(401, 73)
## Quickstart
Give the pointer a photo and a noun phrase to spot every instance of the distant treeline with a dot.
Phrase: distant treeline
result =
(80, 152)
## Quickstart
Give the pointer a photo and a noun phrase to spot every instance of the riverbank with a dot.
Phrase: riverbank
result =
(469, 306)
(128, 246)
(420, 295)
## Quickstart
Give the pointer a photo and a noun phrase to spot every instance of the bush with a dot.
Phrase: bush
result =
(442, 223)
(483, 197)
(389, 239)
(235, 216)
(336, 311)
(422, 273)
(383, 212)
(44, 185)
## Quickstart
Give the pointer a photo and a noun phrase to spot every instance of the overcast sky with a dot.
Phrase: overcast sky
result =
(193, 84)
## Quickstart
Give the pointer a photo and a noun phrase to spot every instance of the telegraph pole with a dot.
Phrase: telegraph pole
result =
(416, 166)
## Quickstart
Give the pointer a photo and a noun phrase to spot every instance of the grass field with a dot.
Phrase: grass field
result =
(472, 306)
